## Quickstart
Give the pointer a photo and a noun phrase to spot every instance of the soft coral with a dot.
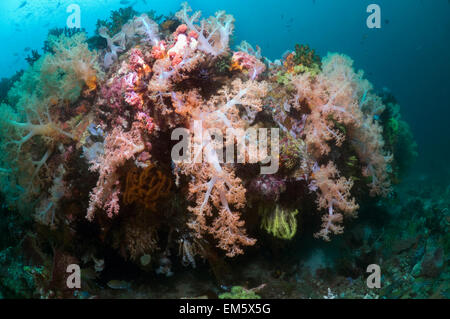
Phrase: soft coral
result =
(120, 146)
(213, 33)
(334, 196)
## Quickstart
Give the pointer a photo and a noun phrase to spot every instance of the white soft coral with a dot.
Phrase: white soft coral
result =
(213, 33)
(146, 27)
(141, 26)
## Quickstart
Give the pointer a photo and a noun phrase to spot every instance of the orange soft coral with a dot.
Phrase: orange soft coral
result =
(184, 103)
(146, 187)
(216, 195)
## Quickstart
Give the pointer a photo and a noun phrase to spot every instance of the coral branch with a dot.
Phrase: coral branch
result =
(119, 147)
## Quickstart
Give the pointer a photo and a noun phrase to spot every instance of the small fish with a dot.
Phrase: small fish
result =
(29, 15)
(386, 21)
(118, 284)
(88, 274)
(199, 297)
(81, 294)
(124, 2)
(27, 49)
(227, 288)
(22, 5)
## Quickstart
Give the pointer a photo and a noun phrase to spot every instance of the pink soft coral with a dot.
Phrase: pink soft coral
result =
(119, 147)
(334, 196)
(340, 98)
(112, 93)
(330, 103)
(368, 143)
(159, 50)
(216, 193)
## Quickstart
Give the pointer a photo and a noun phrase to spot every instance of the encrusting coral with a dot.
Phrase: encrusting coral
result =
(146, 187)
(89, 134)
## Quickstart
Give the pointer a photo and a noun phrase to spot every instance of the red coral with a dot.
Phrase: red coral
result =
(113, 94)
(137, 63)
(146, 121)
(182, 28)
(193, 34)
(136, 59)
(131, 96)
(134, 99)
(159, 50)
(175, 58)
(244, 61)
(130, 80)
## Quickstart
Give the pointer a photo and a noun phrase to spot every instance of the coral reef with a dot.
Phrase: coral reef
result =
(117, 20)
(238, 292)
(88, 139)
